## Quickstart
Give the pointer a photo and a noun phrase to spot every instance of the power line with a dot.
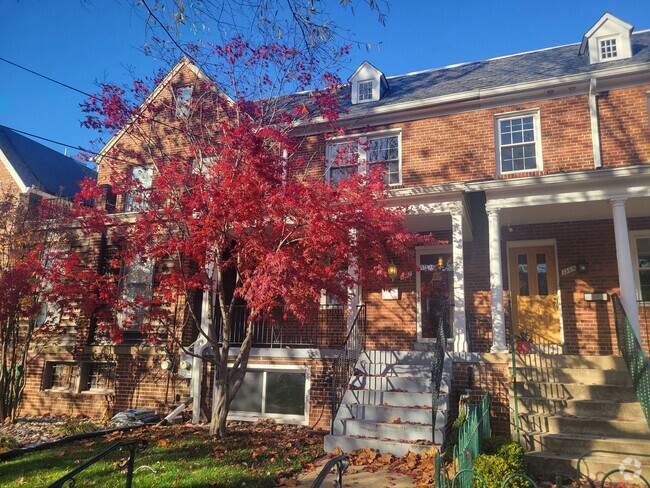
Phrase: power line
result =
(45, 77)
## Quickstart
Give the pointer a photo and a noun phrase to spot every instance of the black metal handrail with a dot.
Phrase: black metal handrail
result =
(343, 369)
(134, 447)
(341, 463)
(436, 372)
(327, 329)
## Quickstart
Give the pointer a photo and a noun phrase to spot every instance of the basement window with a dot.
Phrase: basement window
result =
(97, 377)
(279, 394)
(60, 376)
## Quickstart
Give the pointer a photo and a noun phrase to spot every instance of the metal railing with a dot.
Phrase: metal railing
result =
(340, 465)
(343, 368)
(635, 358)
(133, 447)
(326, 331)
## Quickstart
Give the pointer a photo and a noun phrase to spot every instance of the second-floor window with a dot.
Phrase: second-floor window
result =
(136, 290)
(518, 143)
(136, 199)
(365, 153)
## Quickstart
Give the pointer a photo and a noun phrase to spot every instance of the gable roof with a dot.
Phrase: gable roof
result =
(472, 80)
(34, 165)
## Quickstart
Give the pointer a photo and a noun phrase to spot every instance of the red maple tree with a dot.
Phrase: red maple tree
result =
(229, 192)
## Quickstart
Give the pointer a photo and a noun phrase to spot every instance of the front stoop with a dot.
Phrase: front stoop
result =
(387, 406)
(569, 405)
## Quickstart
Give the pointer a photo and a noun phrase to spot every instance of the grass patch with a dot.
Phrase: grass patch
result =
(74, 428)
(179, 456)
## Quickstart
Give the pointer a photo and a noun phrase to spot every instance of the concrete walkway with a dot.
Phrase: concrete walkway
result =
(357, 476)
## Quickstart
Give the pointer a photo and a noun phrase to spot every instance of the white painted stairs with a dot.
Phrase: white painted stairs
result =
(388, 404)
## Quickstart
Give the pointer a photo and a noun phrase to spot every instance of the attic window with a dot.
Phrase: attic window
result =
(364, 91)
(608, 48)
(183, 100)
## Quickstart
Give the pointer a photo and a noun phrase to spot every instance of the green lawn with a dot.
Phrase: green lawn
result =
(251, 456)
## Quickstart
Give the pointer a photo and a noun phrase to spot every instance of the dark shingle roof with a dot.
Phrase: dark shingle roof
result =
(41, 167)
(534, 66)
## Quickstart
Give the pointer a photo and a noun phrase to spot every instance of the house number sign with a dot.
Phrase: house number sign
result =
(568, 270)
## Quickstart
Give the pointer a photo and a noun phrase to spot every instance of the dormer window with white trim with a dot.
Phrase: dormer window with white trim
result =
(608, 40)
(364, 89)
(367, 84)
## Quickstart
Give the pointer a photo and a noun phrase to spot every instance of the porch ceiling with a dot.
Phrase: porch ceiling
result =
(574, 211)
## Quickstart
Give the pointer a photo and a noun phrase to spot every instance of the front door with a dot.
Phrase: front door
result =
(435, 294)
(533, 287)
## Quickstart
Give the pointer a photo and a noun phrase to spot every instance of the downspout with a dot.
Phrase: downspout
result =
(595, 131)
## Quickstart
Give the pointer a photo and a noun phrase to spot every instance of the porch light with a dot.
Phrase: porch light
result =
(441, 261)
(392, 271)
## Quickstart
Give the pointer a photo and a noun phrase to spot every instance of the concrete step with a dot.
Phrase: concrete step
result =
(576, 391)
(422, 371)
(545, 466)
(394, 399)
(576, 444)
(575, 375)
(385, 430)
(605, 409)
(391, 383)
(635, 429)
(570, 361)
(349, 443)
(381, 413)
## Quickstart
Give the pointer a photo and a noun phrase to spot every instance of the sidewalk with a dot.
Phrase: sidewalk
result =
(358, 476)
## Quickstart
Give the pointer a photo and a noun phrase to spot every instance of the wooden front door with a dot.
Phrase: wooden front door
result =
(533, 287)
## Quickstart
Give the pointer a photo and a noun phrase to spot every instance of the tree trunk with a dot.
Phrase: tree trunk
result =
(220, 403)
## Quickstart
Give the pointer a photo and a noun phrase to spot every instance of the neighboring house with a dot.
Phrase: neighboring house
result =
(536, 169)
(30, 167)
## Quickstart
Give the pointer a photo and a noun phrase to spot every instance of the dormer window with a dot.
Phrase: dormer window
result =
(608, 40)
(364, 91)
(608, 48)
(367, 84)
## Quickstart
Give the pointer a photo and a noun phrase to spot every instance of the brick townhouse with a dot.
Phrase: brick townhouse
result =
(535, 169)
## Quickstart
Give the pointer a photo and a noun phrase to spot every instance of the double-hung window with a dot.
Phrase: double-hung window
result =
(136, 200)
(136, 291)
(49, 313)
(384, 152)
(365, 153)
(343, 160)
(183, 100)
(518, 142)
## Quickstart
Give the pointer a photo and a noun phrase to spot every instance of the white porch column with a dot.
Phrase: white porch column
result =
(197, 360)
(354, 294)
(624, 262)
(460, 327)
(496, 283)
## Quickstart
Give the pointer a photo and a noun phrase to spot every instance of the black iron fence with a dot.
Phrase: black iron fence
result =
(326, 330)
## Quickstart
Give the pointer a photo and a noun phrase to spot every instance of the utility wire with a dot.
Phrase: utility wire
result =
(45, 77)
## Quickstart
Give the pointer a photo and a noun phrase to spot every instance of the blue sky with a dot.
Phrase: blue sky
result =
(79, 42)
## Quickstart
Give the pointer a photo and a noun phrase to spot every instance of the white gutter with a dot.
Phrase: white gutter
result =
(593, 116)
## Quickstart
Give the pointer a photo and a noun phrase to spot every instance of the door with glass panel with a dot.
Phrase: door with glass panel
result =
(533, 288)
(435, 294)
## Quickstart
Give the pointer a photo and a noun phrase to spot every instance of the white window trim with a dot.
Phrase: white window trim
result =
(362, 140)
(634, 235)
(539, 160)
(279, 418)
(372, 91)
(617, 42)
